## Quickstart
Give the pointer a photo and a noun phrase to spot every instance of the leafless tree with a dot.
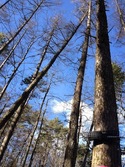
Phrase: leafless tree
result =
(71, 148)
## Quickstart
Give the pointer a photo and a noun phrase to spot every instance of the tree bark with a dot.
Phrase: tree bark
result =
(105, 152)
(72, 143)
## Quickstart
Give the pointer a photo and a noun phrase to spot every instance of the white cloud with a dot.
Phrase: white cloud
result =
(61, 106)
(87, 111)
(65, 106)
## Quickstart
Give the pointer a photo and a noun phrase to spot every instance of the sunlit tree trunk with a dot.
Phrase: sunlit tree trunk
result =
(72, 143)
(105, 152)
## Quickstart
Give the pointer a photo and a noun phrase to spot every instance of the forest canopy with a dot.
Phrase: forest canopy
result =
(62, 77)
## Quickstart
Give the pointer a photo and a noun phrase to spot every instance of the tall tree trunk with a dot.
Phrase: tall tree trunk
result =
(40, 75)
(105, 152)
(72, 143)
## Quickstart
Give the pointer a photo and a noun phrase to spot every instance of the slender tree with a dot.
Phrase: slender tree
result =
(72, 143)
(106, 152)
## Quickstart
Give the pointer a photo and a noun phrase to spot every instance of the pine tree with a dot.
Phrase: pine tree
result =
(106, 152)
(72, 139)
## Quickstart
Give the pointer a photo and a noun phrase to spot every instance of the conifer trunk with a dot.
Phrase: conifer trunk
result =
(105, 152)
(72, 143)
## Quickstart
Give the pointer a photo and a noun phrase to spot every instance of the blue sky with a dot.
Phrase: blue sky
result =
(63, 91)
(117, 54)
